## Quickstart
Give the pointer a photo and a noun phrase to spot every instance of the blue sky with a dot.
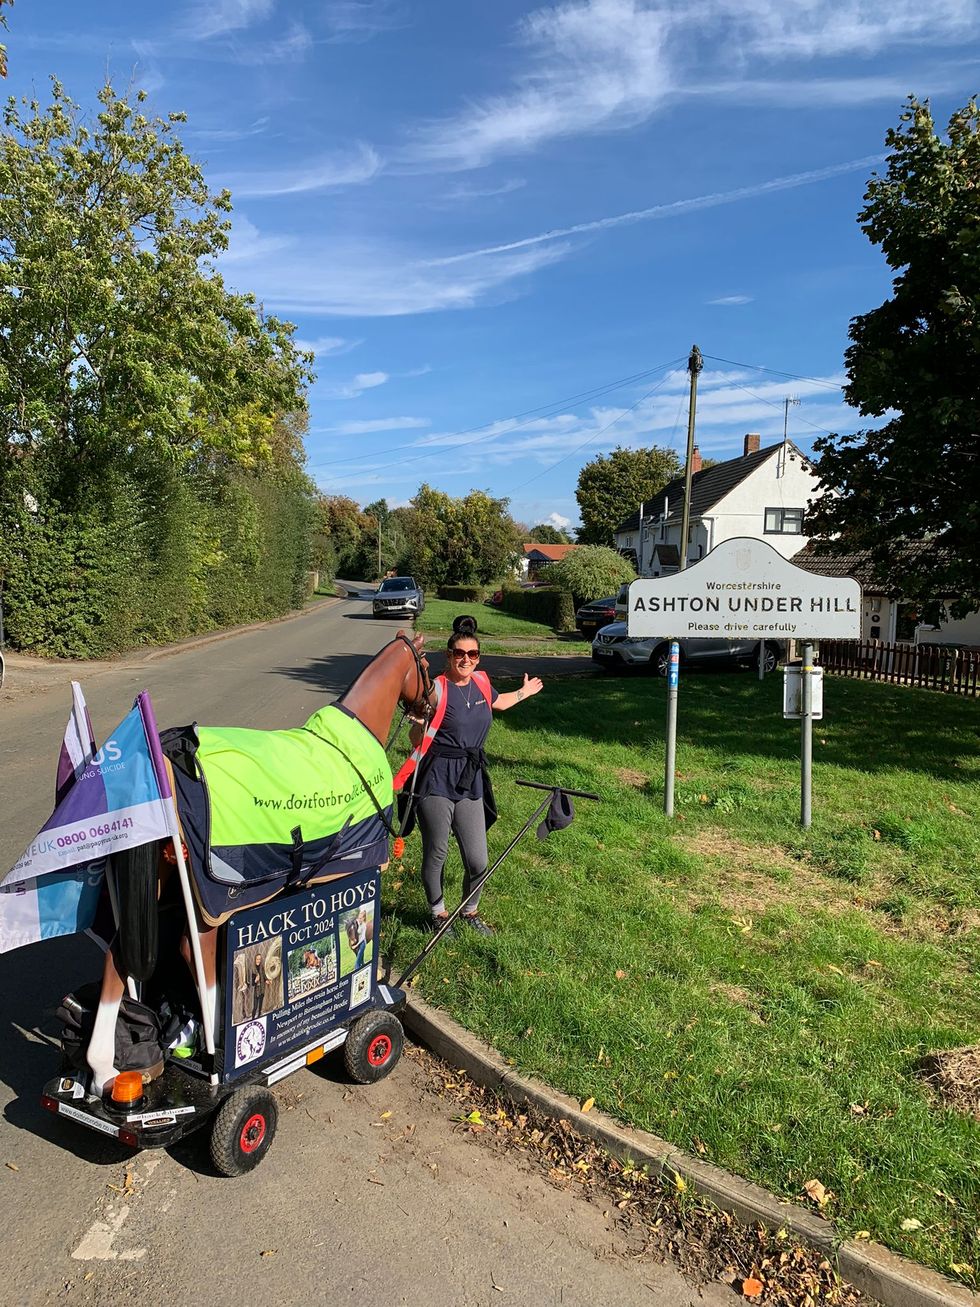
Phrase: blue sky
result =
(482, 217)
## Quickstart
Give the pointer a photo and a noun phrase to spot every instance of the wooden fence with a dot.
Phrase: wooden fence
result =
(932, 667)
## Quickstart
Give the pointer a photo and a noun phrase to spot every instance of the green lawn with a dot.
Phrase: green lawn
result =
(757, 994)
(507, 634)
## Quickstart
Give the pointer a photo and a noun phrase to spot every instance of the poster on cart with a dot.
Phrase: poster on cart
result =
(298, 966)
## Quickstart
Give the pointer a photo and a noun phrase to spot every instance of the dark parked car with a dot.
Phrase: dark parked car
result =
(614, 649)
(592, 615)
(398, 595)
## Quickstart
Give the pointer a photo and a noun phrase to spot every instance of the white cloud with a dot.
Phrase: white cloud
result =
(379, 424)
(324, 345)
(462, 192)
(323, 275)
(556, 520)
(360, 20)
(296, 43)
(247, 245)
(350, 169)
(587, 66)
(219, 17)
(358, 385)
(727, 300)
(672, 209)
(593, 65)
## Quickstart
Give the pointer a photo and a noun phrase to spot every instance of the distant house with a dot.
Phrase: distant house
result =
(886, 615)
(762, 494)
(537, 556)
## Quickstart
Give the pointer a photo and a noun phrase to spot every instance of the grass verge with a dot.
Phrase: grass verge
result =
(500, 633)
(760, 995)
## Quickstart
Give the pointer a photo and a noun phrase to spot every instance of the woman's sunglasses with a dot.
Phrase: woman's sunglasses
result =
(460, 654)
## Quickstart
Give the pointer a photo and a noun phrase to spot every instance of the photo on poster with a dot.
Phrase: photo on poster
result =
(360, 987)
(311, 967)
(257, 981)
(356, 932)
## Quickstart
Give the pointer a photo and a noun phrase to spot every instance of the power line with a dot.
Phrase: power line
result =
(772, 404)
(595, 393)
(595, 435)
(756, 367)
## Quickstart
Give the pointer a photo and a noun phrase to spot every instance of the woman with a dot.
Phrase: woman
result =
(452, 789)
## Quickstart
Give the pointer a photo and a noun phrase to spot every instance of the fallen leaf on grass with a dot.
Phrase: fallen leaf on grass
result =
(588, 1105)
(680, 1184)
(751, 1288)
(858, 1109)
(819, 1193)
(862, 1234)
(620, 975)
(911, 1223)
(961, 1268)
(743, 923)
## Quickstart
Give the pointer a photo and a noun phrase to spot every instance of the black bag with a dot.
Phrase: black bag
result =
(140, 1041)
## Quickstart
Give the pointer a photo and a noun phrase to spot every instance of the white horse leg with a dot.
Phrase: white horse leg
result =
(101, 1055)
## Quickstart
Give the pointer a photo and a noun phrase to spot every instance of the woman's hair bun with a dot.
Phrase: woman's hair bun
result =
(464, 625)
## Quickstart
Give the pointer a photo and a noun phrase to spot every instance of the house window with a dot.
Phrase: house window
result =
(784, 521)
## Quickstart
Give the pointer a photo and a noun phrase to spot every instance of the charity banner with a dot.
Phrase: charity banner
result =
(61, 903)
(298, 966)
(116, 802)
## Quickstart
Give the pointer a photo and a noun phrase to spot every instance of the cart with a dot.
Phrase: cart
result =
(297, 983)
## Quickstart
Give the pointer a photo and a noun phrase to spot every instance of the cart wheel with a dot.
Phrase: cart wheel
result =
(373, 1046)
(243, 1131)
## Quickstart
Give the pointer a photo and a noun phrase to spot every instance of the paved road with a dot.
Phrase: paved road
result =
(348, 1207)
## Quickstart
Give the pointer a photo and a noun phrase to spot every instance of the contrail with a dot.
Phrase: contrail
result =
(675, 207)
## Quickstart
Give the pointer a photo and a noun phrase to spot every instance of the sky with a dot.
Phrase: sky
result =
(501, 227)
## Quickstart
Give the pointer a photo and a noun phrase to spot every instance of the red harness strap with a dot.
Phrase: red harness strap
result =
(481, 680)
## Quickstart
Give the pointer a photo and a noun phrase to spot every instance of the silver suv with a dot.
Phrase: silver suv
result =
(614, 649)
(398, 595)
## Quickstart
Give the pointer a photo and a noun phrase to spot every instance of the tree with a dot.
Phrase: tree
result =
(118, 339)
(907, 490)
(545, 534)
(469, 541)
(611, 487)
(590, 571)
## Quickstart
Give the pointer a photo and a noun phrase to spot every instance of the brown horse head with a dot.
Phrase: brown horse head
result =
(399, 674)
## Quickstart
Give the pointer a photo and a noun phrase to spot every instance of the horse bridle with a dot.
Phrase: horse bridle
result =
(425, 687)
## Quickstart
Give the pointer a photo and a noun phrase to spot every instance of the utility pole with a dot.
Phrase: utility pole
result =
(694, 365)
(379, 546)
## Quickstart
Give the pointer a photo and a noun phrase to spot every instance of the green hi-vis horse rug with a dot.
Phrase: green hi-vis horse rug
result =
(263, 811)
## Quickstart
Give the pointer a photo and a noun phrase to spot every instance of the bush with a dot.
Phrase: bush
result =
(550, 606)
(590, 572)
(463, 594)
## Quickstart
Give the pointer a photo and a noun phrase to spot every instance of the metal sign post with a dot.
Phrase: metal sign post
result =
(694, 365)
(747, 591)
(806, 736)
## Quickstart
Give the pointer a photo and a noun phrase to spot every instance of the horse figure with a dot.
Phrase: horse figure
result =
(398, 674)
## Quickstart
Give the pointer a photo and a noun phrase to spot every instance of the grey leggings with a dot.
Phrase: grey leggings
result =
(467, 821)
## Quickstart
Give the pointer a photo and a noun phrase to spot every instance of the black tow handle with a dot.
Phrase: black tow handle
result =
(413, 966)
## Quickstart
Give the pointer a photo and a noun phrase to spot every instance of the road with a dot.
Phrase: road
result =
(368, 1195)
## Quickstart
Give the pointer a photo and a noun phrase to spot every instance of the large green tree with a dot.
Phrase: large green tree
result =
(612, 486)
(907, 490)
(117, 335)
(468, 541)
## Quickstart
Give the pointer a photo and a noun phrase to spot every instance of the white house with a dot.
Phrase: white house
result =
(763, 494)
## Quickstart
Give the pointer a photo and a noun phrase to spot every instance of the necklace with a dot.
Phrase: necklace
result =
(469, 702)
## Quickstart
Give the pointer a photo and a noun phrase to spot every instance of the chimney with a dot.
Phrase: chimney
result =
(752, 441)
(695, 460)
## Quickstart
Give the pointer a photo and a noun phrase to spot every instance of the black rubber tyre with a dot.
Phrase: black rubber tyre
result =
(373, 1046)
(243, 1130)
(135, 875)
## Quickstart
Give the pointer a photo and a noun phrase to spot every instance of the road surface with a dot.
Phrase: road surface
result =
(368, 1195)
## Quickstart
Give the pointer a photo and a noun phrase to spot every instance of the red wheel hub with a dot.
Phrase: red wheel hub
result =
(379, 1050)
(253, 1132)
